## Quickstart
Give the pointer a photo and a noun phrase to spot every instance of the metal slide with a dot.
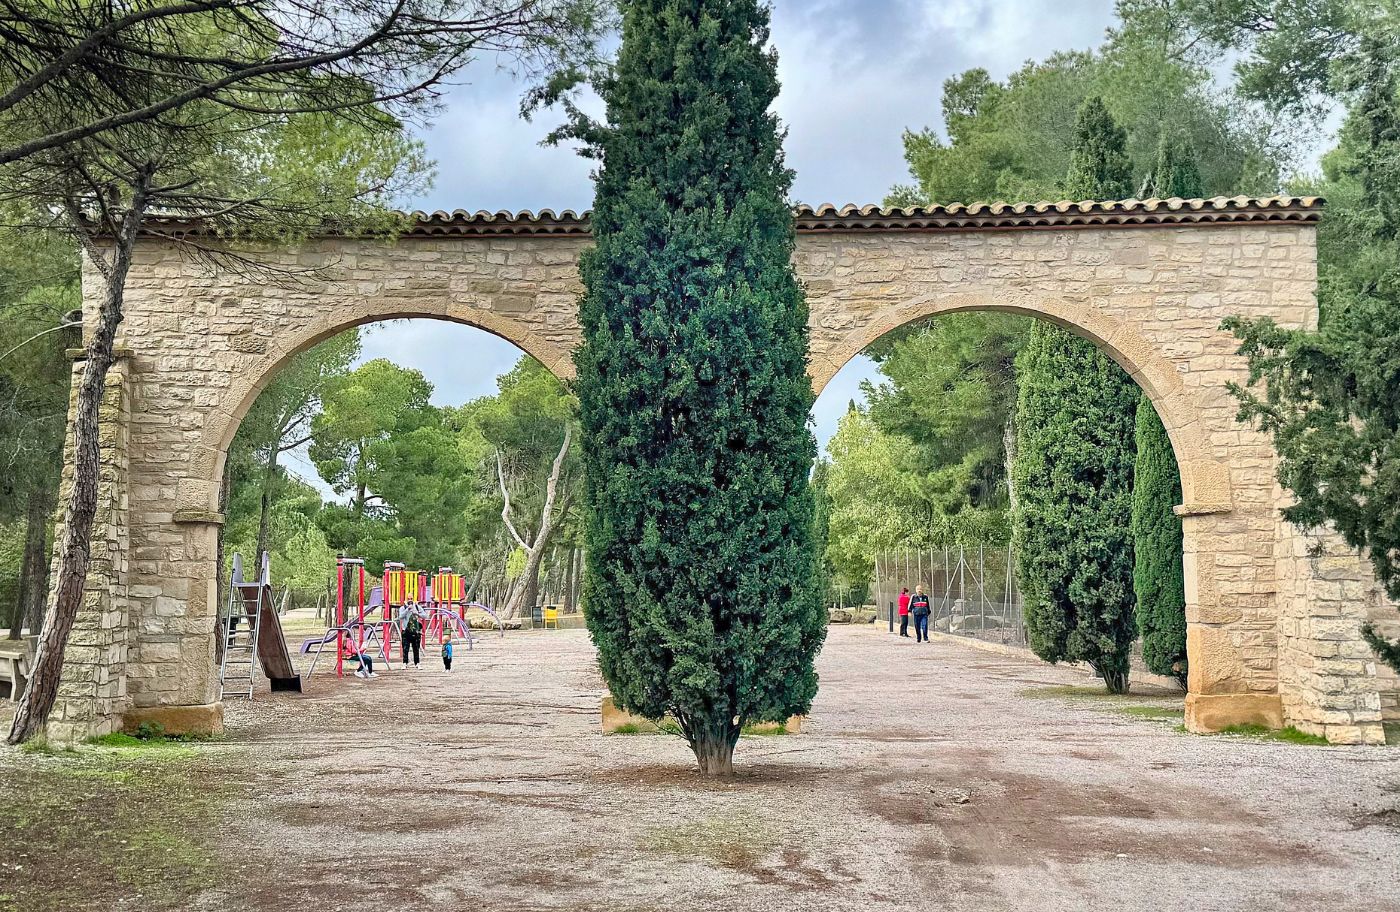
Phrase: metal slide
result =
(253, 600)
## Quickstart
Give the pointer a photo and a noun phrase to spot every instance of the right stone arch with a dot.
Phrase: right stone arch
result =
(1273, 614)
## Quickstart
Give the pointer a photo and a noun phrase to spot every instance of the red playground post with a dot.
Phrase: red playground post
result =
(339, 614)
(341, 562)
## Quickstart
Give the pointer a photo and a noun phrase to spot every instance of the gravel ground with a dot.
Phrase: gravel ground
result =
(927, 777)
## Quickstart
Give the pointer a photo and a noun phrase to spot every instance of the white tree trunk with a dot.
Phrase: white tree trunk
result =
(523, 593)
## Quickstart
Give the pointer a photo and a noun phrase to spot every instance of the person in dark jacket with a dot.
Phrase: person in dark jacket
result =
(920, 608)
(411, 632)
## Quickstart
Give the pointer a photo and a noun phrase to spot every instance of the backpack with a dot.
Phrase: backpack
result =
(414, 625)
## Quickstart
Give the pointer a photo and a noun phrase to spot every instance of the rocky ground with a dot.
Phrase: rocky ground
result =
(927, 777)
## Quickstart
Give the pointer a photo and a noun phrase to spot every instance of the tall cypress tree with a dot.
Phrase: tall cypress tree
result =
(702, 591)
(1074, 461)
(1159, 582)
(1099, 167)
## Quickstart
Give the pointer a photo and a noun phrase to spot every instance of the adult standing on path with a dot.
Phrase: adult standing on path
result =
(919, 605)
(411, 631)
(904, 612)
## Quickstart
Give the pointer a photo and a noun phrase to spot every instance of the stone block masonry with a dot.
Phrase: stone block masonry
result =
(1273, 627)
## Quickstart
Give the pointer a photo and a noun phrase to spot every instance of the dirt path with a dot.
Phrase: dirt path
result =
(926, 778)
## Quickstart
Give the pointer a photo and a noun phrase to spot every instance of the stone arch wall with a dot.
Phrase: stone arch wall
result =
(1149, 282)
(1154, 299)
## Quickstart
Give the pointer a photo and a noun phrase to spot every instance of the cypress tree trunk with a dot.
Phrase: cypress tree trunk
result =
(701, 583)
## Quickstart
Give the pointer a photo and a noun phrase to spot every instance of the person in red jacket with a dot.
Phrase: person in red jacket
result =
(904, 612)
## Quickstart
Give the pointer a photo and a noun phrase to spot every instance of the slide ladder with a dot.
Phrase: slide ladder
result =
(238, 667)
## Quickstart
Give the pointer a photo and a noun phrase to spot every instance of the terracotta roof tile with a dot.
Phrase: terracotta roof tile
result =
(826, 217)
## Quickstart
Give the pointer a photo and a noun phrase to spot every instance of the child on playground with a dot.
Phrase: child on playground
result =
(365, 663)
(447, 653)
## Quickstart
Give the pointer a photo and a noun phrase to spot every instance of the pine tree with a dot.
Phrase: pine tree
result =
(1074, 461)
(1175, 171)
(1328, 398)
(702, 588)
(1159, 583)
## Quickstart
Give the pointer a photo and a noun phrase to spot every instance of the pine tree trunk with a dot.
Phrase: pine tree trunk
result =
(21, 607)
(36, 530)
(523, 594)
(265, 505)
(74, 550)
(39, 577)
(34, 579)
(530, 579)
(570, 572)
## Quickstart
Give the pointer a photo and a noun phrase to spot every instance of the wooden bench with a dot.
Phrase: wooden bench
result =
(16, 661)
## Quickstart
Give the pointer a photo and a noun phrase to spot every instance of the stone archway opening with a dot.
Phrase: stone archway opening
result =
(965, 559)
(462, 361)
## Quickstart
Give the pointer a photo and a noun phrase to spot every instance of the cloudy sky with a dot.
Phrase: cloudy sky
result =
(855, 75)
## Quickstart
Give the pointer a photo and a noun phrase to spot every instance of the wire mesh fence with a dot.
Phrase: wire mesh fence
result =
(971, 588)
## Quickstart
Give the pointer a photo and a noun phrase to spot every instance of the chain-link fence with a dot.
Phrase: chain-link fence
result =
(972, 590)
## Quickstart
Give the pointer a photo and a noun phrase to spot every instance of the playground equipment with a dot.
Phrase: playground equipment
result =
(355, 629)
(355, 635)
(252, 635)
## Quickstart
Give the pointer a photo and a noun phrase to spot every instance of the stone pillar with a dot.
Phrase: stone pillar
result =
(92, 693)
(174, 675)
(1231, 629)
(1327, 673)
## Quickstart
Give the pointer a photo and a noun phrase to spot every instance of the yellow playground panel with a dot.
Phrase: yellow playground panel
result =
(448, 587)
(400, 585)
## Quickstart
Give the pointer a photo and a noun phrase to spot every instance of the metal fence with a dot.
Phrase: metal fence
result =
(972, 590)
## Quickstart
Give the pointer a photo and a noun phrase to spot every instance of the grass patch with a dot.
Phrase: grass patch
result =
(1156, 707)
(1288, 735)
(113, 824)
(664, 727)
(1070, 692)
(729, 840)
(40, 746)
(764, 729)
(1155, 713)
